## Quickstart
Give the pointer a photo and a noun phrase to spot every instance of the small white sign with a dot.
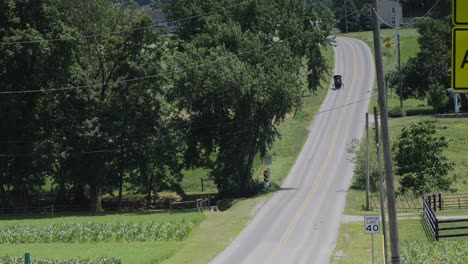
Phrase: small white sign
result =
(371, 224)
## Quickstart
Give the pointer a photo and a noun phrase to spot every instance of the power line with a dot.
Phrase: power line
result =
(409, 25)
(121, 31)
(139, 78)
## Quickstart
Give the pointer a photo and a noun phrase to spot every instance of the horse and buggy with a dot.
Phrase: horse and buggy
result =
(337, 82)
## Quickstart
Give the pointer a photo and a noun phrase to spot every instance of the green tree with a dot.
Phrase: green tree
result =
(360, 178)
(34, 65)
(431, 66)
(420, 162)
(237, 84)
(347, 15)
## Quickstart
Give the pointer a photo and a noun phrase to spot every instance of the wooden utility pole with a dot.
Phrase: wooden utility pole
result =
(381, 188)
(367, 162)
(392, 217)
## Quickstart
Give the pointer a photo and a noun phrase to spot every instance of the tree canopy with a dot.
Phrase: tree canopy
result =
(94, 100)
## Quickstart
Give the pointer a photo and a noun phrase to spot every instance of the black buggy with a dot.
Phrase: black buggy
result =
(337, 83)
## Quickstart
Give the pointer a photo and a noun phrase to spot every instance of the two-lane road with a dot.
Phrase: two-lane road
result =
(299, 224)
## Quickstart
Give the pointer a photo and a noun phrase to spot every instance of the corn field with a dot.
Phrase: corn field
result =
(175, 230)
(20, 260)
(444, 252)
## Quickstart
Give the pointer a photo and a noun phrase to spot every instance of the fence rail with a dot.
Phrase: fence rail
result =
(435, 224)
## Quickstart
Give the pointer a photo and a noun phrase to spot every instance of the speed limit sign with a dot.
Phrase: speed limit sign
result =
(371, 224)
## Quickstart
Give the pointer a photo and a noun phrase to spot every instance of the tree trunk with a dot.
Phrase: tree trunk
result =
(95, 191)
(120, 190)
(245, 177)
(150, 188)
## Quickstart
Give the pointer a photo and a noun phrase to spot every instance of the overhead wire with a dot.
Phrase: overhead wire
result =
(409, 25)
(138, 78)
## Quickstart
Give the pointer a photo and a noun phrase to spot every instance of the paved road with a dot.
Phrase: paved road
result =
(299, 224)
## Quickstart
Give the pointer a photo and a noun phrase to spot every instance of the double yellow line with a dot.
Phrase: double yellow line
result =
(292, 224)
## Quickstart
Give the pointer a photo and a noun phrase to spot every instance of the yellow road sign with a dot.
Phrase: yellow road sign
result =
(460, 58)
(460, 12)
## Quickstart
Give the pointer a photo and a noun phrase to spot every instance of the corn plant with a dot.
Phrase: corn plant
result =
(20, 260)
(176, 230)
(443, 252)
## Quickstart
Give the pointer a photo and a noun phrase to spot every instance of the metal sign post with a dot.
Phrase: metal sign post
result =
(372, 226)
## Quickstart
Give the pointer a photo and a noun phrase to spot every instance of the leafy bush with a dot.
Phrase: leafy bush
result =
(395, 112)
(20, 260)
(96, 232)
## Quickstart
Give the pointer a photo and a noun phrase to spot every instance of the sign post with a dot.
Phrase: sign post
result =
(266, 172)
(372, 226)
(460, 46)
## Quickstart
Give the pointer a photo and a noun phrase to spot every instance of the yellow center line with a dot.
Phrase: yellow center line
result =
(306, 202)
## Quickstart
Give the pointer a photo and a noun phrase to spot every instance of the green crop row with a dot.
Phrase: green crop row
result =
(20, 260)
(96, 232)
(442, 252)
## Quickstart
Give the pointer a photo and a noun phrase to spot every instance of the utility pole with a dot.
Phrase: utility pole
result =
(367, 162)
(381, 188)
(394, 237)
(400, 88)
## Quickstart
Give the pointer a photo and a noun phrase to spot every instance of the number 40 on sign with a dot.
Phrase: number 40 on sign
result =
(371, 224)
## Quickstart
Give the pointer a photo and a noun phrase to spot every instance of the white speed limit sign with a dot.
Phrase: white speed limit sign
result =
(371, 224)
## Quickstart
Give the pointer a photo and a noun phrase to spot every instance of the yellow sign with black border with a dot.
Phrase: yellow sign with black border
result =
(460, 12)
(460, 59)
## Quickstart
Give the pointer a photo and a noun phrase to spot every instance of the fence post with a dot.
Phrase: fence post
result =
(27, 258)
(458, 202)
(435, 202)
(440, 202)
(201, 180)
(429, 201)
(436, 228)
(170, 206)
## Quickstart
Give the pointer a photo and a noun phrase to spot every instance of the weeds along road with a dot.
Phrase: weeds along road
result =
(300, 223)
